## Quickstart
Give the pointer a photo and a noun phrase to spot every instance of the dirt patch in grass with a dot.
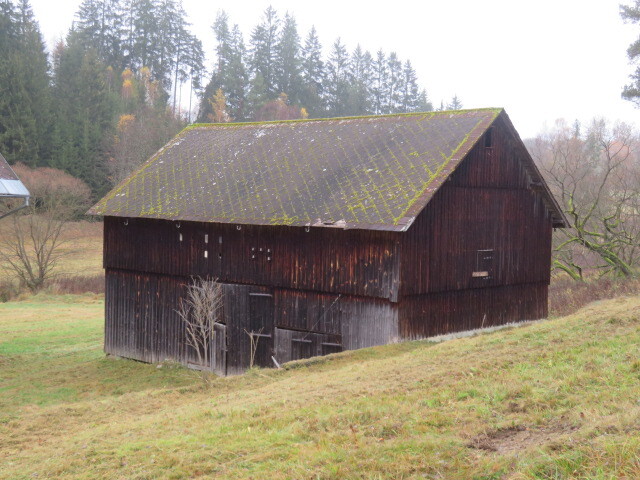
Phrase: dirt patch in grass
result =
(520, 437)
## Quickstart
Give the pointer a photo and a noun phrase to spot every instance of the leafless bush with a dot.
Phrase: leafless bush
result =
(200, 310)
(31, 251)
(78, 284)
(567, 296)
(55, 191)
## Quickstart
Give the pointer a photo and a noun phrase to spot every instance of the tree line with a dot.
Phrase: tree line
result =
(277, 68)
(110, 93)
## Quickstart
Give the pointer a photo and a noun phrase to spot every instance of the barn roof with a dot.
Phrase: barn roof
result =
(10, 184)
(373, 172)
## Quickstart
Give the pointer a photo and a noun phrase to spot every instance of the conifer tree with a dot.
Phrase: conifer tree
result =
(25, 108)
(263, 49)
(288, 77)
(337, 80)
(229, 73)
(313, 74)
(380, 83)
(394, 84)
(359, 100)
(424, 104)
(455, 103)
(100, 26)
(410, 94)
(85, 111)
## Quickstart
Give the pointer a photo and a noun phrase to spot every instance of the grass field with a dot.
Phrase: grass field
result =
(557, 399)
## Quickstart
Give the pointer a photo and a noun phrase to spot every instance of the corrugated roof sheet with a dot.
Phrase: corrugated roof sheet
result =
(10, 184)
(363, 172)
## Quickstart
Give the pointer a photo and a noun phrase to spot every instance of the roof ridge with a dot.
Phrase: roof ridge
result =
(431, 113)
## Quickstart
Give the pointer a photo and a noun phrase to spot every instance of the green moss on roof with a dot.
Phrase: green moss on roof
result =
(356, 172)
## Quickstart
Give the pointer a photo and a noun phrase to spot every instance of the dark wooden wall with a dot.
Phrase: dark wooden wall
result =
(427, 315)
(142, 323)
(348, 262)
(487, 205)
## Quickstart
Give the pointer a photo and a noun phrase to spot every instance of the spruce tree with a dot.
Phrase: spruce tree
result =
(380, 83)
(455, 103)
(230, 72)
(25, 101)
(288, 77)
(263, 49)
(394, 83)
(100, 26)
(337, 82)
(85, 112)
(410, 94)
(313, 75)
(359, 99)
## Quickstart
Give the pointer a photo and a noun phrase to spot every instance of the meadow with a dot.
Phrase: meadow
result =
(549, 400)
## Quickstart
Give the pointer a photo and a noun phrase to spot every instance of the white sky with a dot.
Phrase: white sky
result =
(540, 60)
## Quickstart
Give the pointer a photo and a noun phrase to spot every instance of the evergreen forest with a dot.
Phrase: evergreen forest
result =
(130, 74)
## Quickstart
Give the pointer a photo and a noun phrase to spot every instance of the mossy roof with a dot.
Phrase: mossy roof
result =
(373, 172)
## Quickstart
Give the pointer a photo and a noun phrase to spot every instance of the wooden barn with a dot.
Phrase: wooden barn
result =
(328, 235)
(14, 195)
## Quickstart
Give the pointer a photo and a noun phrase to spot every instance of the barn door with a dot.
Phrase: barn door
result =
(260, 328)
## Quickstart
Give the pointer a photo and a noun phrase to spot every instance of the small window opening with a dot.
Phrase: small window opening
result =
(488, 140)
(180, 236)
(206, 238)
(206, 254)
(484, 264)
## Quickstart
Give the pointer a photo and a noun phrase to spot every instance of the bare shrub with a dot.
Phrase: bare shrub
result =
(55, 191)
(78, 284)
(200, 310)
(567, 296)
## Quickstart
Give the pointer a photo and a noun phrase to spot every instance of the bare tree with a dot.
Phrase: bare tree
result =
(30, 250)
(596, 177)
(200, 310)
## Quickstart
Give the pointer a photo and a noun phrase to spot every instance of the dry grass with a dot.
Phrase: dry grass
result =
(567, 296)
(80, 269)
(556, 399)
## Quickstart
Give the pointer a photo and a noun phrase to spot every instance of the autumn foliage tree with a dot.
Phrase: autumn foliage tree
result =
(281, 110)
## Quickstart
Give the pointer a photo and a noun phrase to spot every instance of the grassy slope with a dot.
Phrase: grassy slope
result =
(558, 399)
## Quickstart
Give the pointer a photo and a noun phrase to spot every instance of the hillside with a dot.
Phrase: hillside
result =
(556, 399)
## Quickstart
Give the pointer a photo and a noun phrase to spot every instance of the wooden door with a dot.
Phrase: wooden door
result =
(260, 328)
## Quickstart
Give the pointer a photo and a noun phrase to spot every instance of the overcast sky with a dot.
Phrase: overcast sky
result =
(540, 60)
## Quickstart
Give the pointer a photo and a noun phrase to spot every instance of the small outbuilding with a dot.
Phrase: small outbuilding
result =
(11, 190)
(327, 235)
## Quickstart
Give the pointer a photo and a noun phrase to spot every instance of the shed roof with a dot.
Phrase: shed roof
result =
(10, 184)
(373, 172)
